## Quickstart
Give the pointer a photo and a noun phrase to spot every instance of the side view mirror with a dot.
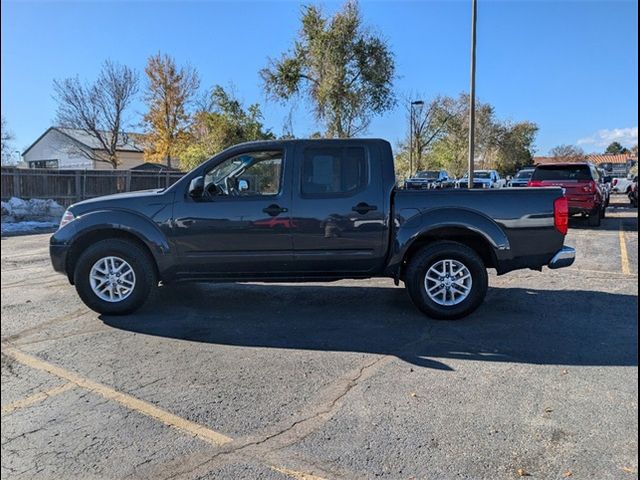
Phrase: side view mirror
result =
(196, 187)
(243, 185)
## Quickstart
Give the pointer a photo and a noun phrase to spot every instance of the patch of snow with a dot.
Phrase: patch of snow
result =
(26, 227)
(33, 210)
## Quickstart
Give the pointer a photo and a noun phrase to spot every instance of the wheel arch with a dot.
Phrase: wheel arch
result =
(465, 236)
(87, 238)
(464, 226)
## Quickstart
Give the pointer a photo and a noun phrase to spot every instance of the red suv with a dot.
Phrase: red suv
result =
(582, 185)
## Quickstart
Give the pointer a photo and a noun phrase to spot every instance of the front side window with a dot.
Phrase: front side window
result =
(334, 171)
(248, 174)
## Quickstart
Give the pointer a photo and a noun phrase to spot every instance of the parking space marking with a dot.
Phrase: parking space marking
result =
(295, 474)
(36, 398)
(124, 399)
(624, 256)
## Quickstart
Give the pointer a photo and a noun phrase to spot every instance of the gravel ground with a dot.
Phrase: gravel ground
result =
(327, 380)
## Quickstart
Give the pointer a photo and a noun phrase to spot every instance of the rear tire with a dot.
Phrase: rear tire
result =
(595, 217)
(120, 295)
(434, 258)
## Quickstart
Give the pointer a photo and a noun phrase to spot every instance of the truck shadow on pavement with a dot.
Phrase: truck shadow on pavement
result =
(630, 223)
(549, 327)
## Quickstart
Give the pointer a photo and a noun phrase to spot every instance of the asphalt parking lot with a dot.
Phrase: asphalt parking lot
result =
(328, 380)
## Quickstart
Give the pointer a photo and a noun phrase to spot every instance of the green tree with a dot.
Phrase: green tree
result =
(346, 71)
(515, 146)
(224, 123)
(450, 149)
(615, 148)
(168, 94)
(443, 140)
(428, 125)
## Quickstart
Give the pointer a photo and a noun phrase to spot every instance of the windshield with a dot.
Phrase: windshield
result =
(430, 175)
(524, 174)
(482, 175)
(562, 172)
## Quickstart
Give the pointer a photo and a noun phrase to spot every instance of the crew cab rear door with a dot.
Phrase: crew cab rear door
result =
(338, 208)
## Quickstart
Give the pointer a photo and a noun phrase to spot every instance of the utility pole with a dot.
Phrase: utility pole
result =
(472, 93)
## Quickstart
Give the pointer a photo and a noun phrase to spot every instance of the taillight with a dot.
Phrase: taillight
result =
(561, 214)
(589, 187)
(534, 183)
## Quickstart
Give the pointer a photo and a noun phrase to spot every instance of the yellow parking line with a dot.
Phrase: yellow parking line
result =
(624, 256)
(295, 474)
(36, 398)
(128, 401)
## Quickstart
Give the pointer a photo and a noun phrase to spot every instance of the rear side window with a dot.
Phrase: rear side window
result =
(334, 171)
(562, 172)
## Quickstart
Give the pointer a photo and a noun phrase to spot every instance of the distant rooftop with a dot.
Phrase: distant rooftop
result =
(127, 141)
(596, 159)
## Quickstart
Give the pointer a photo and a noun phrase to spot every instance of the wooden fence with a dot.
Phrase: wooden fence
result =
(69, 186)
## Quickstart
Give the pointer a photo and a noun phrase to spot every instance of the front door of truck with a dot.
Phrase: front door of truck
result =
(338, 209)
(241, 223)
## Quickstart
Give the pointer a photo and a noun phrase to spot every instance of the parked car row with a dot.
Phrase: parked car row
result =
(440, 179)
(588, 188)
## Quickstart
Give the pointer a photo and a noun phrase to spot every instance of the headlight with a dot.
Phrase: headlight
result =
(66, 218)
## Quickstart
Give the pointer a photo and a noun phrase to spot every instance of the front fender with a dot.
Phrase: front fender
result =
(422, 223)
(133, 223)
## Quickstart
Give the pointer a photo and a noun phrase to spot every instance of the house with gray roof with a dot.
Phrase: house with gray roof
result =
(67, 148)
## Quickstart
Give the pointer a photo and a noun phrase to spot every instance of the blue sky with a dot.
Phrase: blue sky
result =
(571, 67)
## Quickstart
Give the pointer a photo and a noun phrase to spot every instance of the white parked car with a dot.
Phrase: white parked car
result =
(484, 179)
(621, 184)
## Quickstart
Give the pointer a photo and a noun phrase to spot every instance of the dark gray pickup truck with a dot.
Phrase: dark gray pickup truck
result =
(307, 210)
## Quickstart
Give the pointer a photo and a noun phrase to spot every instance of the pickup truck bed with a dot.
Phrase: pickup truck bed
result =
(307, 210)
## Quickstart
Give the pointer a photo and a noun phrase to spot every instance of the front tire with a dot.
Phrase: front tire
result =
(115, 277)
(446, 280)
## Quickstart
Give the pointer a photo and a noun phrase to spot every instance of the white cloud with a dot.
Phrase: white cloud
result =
(602, 138)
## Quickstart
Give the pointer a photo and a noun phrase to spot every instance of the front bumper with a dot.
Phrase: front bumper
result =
(563, 258)
(58, 254)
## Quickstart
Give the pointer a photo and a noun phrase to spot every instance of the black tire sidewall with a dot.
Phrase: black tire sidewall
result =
(132, 254)
(425, 258)
(595, 217)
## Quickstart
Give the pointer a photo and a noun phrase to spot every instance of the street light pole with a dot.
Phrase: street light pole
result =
(472, 94)
(410, 139)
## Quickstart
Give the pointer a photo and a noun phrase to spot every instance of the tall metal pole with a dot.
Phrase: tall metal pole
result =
(472, 93)
(410, 139)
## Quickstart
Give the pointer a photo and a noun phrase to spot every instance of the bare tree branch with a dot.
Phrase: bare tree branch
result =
(98, 109)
